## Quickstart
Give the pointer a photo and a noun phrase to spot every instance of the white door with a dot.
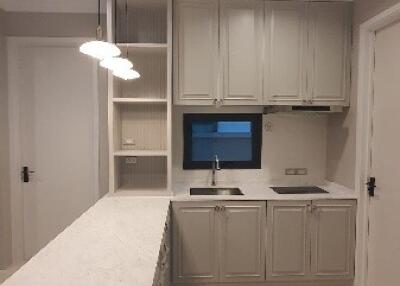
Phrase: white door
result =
(384, 209)
(56, 88)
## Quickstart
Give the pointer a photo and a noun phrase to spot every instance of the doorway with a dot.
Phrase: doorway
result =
(378, 154)
(53, 92)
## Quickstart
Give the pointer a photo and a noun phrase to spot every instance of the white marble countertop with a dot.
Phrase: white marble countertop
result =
(263, 192)
(116, 242)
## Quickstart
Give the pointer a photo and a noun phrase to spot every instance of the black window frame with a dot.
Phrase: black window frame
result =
(256, 130)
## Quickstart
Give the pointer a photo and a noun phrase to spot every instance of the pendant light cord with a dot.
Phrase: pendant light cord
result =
(127, 28)
(99, 30)
(98, 12)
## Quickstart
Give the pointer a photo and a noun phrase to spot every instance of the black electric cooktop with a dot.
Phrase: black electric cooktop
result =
(298, 190)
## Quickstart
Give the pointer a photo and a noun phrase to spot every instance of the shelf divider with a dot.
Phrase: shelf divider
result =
(140, 153)
(139, 100)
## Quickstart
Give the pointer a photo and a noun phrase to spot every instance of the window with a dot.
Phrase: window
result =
(234, 138)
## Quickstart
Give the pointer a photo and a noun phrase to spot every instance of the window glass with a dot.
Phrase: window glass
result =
(234, 138)
(230, 141)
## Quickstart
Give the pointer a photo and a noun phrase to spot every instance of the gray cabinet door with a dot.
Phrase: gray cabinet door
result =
(329, 52)
(242, 241)
(241, 24)
(194, 242)
(288, 240)
(333, 239)
(196, 66)
(285, 51)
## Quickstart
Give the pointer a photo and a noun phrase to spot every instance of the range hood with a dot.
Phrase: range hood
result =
(302, 109)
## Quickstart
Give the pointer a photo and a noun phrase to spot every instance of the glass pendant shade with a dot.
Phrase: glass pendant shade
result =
(126, 74)
(100, 49)
(116, 64)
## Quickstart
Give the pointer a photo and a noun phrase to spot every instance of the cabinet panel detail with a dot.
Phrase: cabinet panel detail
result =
(243, 226)
(196, 52)
(285, 51)
(288, 240)
(333, 239)
(194, 243)
(241, 47)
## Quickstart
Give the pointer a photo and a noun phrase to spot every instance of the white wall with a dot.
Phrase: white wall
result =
(296, 141)
(5, 215)
(23, 24)
(342, 128)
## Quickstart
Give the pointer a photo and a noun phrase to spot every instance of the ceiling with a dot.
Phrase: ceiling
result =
(51, 6)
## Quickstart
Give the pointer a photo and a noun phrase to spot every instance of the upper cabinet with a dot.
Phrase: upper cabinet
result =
(241, 51)
(330, 41)
(254, 52)
(285, 52)
(307, 53)
(196, 51)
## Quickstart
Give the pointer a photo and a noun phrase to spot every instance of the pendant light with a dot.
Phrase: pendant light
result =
(127, 74)
(99, 49)
(116, 64)
(122, 68)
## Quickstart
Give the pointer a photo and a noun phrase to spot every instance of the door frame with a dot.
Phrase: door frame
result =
(363, 132)
(17, 205)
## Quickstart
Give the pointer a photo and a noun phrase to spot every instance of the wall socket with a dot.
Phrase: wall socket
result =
(296, 171)
(130, 160)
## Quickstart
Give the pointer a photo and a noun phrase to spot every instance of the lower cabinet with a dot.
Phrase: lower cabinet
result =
(162, 275)
(333, 236)
(219, 241)
(310, 240)
(288, 240)
(275, 242)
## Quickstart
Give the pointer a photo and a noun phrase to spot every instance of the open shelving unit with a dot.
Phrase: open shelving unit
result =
(140, 110)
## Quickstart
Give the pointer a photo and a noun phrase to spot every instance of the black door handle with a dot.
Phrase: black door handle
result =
(371, 186)
(25, 173)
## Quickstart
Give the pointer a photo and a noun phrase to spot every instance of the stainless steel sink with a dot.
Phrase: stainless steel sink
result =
(215, 192)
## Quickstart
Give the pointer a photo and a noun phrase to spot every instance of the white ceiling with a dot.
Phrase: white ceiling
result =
(51, 6)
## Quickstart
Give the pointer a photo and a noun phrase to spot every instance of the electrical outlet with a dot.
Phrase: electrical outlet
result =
(130, 160)
(290, 172)
(296, 171)
(302, 171)
(129, 141)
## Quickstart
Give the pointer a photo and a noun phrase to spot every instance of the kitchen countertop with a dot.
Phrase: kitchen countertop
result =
(263, 192)
(116, 242)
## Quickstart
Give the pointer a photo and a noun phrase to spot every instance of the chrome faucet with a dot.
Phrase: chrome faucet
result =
(215, 167)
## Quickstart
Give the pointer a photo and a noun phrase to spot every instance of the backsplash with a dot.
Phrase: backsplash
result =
(289, 141)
